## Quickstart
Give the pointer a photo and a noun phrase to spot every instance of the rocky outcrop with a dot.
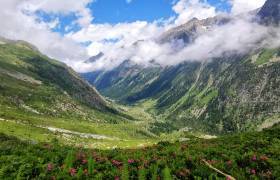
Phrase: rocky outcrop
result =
(270, 12)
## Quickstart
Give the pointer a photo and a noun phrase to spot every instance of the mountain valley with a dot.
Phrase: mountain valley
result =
(196, 110)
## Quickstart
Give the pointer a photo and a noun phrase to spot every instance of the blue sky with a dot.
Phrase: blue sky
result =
(120, 11)
(115, 11)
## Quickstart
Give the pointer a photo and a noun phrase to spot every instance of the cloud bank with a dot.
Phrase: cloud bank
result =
(136, 41)
(19, 22)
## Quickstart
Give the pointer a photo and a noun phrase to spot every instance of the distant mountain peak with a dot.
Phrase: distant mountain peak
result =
(270, 12)
(95, 58)
(191, 29)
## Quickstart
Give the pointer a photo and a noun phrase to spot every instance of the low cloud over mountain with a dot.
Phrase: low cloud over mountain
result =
(138, 41)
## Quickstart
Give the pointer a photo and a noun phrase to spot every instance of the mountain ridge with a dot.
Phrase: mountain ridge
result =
(270, 12)
(204, 95)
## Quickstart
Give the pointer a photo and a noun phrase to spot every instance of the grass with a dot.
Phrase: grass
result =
(61, 100)
(265, 56)
(253, 155)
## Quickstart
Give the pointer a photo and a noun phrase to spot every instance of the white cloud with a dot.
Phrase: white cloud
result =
(15, 24)
(63, 7)
(241, 6)
(117, 41)
(136, 41)
(53, 23)
(240, 36)
(188, 9)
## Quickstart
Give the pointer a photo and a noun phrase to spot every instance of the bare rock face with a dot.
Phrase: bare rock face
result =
(270, 12)
(95, 58)
(190, 30)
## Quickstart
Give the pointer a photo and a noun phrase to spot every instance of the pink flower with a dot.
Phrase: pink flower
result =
(130, 161)
(117, 178)
(84, 161)
(253, 171)
(50, 167)
(254, 157)
(72, 171)
(228, 178)
(116, 163)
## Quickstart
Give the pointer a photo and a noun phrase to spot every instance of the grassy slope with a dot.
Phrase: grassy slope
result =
(36, 91)
(225, 95)
(252, 155)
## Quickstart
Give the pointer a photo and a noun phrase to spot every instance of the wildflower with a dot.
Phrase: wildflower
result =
(229, 163)
(50, 167)
(264, 158)
(84, 161)
(116, 163)
(254, 158)
(85, 172)
(228, 178)
(117, 178)
(183, 172)
(146, 163)
(72, 171)
(183, 147)
(253, 171)
(130, 161)
(268, 174)
(80, 155)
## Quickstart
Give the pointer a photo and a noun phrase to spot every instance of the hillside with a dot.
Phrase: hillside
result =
(41, 99)
(108, 90)
(22, 63)
(226, 95)
(270, 12)
(125, 80)
(230, 93)
(242, 156)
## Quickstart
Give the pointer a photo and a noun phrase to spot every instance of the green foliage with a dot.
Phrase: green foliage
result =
(69, 160)
(166, 174)
(142, 174)
(227, 94)
(265, 56)
(80, 173)
(243, 156)
(90, 165)
(155, 172)
(125, 172)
